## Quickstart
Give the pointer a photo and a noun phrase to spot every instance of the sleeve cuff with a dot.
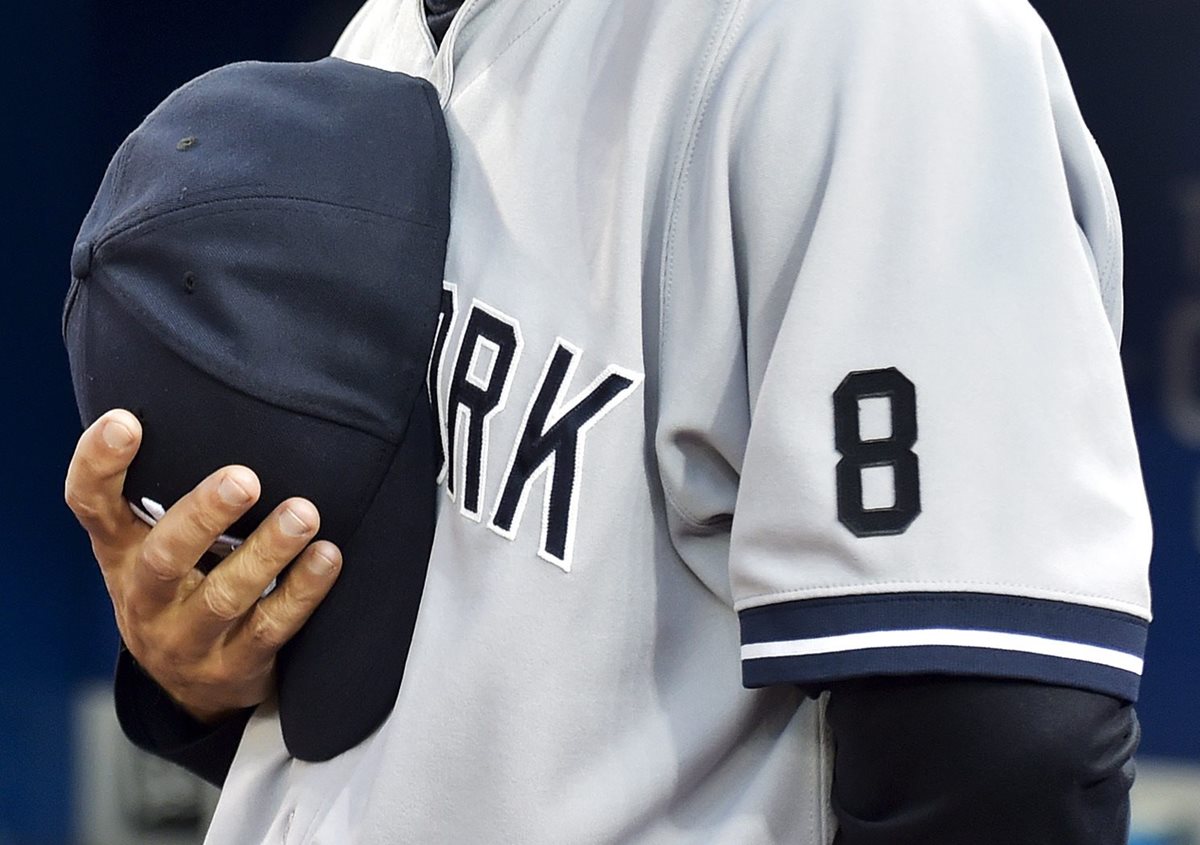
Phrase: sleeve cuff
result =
(817, 641)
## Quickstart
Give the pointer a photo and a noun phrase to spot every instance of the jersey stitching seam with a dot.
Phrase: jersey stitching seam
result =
(1108, 252)
(718, 48)
(1110, 223)
(499, 55)
(418, 13)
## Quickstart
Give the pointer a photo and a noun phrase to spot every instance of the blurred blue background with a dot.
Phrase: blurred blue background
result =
(81, 74)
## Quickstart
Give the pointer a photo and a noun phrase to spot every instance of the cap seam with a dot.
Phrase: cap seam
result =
(158, 222)
(369, 501)
(161, 210)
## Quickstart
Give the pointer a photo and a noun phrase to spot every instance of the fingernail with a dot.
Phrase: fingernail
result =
(319, 564)
(291, 523)
(116, 434)
(231, 492)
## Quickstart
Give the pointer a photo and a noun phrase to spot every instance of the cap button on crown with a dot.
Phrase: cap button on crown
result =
(81, 260)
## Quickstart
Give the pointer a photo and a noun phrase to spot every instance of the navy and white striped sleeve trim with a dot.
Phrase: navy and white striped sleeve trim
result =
(829, 639)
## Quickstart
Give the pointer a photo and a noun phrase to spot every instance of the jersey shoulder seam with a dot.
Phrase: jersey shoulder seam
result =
(716, 52)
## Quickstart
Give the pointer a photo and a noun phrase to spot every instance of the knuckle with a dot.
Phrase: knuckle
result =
(201, 522)
(83, 508)
(89, 467)
(220, 601)
(192, 581)
(301, 590)
(103, 523)
(83, 462)
(252, 554)
(153, 559)
(267, 630)
(265, 553)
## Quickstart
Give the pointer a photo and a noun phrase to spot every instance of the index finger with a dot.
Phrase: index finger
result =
(96, 476)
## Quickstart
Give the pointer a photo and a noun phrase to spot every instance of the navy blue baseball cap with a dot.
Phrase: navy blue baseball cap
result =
(258, 280)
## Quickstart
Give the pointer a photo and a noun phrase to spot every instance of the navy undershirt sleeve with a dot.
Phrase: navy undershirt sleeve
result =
(439, 13)
(950, 760)
(155, 723)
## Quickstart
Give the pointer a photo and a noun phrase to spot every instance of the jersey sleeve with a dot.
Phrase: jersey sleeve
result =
(891, 317)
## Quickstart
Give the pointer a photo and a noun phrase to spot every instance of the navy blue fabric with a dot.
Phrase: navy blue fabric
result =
(244, 195)
(819, 670)
(194, 424)
(812, 618)
(259, 281)
(949, 761)
(828, 617)
(155, 723)
(439, 14)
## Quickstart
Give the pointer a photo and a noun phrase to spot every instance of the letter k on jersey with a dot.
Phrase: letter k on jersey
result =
(552, 435)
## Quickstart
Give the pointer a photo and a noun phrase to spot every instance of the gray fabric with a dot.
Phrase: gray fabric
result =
(731, 204)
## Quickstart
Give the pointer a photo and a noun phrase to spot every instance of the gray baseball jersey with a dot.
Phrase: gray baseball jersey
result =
(779, 345)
